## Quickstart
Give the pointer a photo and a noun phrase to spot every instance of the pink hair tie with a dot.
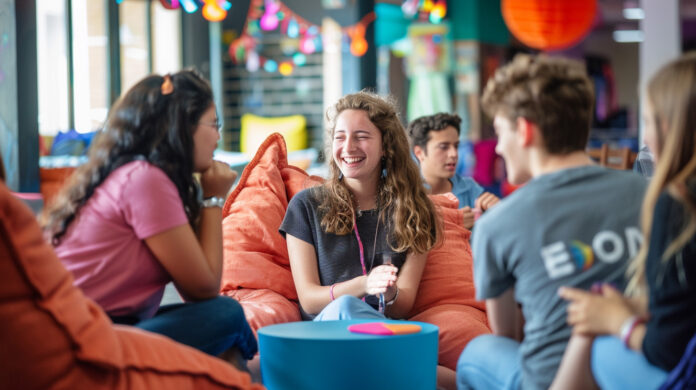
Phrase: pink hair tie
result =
(331, 291)
(167, 86)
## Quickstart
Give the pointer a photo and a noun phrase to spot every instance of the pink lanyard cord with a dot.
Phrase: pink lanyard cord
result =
(360, 245)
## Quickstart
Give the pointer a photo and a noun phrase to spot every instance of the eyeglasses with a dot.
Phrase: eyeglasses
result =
(217, 124)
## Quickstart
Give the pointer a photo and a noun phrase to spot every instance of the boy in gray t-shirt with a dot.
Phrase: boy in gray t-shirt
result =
(572, 224)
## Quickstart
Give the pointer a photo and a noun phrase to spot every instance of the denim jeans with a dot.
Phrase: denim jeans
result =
(348, 307)
(616, 367)
(489, 362)
(212, 326)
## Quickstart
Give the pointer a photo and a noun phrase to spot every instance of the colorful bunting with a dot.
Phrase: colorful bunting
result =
(269, 15)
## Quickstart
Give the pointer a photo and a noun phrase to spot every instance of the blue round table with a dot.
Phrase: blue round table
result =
(326, 355)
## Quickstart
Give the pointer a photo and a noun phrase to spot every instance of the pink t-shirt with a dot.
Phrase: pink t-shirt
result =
(104, 246)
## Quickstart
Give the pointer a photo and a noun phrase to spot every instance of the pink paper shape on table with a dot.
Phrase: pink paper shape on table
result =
(384, 329)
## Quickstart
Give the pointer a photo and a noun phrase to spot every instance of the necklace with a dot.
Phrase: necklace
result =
(361, 211)
(361, 248)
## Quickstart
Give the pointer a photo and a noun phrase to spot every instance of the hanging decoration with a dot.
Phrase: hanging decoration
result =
(271, 15)
(190, 6)
(269, 20)
(549, 24)
(434, 11)
(212, 10)
(171, 4)
(358, 44)
(293, 29)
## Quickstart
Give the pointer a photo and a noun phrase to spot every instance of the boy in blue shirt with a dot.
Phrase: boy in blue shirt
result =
(435, 142)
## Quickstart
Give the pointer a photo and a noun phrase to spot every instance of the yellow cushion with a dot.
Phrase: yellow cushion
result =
(255, 129)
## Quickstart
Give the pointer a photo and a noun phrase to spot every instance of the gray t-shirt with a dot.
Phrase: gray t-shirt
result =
(338, 257)
(568, 228)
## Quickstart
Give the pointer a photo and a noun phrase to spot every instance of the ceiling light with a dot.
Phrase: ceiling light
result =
(633, 13)
(624, 36)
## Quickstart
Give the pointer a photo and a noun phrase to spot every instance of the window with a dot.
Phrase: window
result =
(166, 39)
(149, 38)
(134, 39)
(52, 54)
(90, 48)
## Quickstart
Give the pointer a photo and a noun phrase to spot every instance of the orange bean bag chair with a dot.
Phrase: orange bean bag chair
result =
(52, 336)
(446, 293)
(52, 181)
(257, 271)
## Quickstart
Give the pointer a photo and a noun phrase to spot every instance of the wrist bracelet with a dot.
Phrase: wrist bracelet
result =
(627, 328)
(213, 201)
(331, 291)
(391, 301)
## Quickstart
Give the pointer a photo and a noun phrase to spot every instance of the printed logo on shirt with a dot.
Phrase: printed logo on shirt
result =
(582, 254)
(561, 259)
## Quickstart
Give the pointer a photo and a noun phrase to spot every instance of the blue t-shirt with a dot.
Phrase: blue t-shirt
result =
(466, 190)
(572, 228)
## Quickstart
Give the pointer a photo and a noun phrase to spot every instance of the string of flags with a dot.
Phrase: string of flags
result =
(305, 38)
(271, 15)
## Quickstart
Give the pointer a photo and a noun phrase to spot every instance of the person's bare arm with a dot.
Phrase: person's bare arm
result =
(312, 295)
(195, 262)
(575, 372)
(407, 283)
(486, 201)
(469, 217)
(596, 313)
(504, 315)
(178, 250)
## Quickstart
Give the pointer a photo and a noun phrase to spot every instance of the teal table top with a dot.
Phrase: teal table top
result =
(334, 330)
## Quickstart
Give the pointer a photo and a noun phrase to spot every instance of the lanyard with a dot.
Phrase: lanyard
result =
(360, 246)
(362, 250)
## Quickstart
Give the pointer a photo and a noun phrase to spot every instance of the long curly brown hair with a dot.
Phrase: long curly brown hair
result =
(142, 124)
(404, 204)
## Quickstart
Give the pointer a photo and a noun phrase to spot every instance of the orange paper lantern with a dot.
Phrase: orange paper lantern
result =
(213, 12)
(549, 24)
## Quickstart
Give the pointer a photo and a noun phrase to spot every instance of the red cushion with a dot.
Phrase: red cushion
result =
(52, 335)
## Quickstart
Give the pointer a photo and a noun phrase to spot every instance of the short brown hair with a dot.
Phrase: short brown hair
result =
(554, 93)
(419, 129)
